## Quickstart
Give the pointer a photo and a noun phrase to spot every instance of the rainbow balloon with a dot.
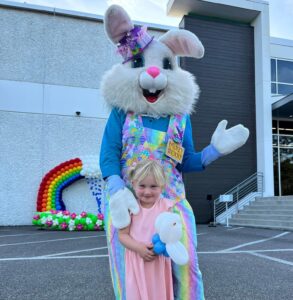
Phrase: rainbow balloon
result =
(53, 183)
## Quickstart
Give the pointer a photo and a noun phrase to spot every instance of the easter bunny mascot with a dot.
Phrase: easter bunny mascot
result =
(151, 99)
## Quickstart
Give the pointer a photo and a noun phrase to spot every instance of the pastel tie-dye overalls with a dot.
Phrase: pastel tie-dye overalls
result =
(144, 143)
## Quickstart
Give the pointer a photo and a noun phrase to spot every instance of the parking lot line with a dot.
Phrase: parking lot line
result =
(245, 251)
(55, 240)
(236, 228)
(255, 242)
(51, 257)
(21, 234)
(282, 261)
(76, 251)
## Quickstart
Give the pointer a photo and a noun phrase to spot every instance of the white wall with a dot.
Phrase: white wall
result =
(28, 97)
(263, 96)
(281, 48)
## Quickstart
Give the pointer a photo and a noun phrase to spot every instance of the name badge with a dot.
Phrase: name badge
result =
(175, 151)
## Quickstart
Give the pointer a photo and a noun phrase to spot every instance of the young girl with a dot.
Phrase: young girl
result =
(147, 276)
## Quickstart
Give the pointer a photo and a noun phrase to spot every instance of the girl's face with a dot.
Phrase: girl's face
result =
(147, 191)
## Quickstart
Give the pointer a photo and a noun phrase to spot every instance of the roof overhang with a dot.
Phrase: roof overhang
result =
(241, 10)
(283, 108)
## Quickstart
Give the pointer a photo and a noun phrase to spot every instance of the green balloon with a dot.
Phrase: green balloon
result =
(94, 218)
(91, 226)
(83, 221)
(76, 222)
(35, 222)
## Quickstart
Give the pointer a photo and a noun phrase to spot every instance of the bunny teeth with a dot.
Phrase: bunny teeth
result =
(151, 95)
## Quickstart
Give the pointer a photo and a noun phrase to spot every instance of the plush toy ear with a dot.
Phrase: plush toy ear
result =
(178, 253)
(117, 23)
(183, 43)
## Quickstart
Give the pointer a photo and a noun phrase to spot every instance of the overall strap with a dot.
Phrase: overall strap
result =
(176, 128)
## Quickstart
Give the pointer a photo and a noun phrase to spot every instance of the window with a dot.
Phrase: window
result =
(281, 77)
(285, 71)
(273, 70)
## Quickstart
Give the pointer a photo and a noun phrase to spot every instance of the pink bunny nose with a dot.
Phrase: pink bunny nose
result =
(153, 71)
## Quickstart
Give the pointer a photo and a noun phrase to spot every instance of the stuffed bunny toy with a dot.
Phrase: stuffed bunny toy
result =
(167, 239)
(151, 99)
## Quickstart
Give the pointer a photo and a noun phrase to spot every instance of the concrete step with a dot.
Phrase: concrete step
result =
(253, 206)
(271, 226)
(272, 202)
(272, 217)
(275, 198)
(251, 211)
(287, 225)
(268, 212)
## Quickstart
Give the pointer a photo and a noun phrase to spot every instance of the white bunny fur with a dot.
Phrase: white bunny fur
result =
(122, 85)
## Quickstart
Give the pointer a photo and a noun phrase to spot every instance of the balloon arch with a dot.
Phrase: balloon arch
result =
(51, 212)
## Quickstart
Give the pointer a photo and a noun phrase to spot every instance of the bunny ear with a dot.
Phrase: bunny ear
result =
(178, 253)
(117, 23)
(183, 43)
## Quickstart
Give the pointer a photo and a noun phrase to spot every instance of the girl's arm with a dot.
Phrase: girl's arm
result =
(143, 250)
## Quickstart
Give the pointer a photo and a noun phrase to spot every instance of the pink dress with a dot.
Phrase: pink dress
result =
(148, 280)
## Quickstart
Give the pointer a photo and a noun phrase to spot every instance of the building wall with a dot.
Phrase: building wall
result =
(51, 66)
(281, 48)
(226, 78)
(43, 48)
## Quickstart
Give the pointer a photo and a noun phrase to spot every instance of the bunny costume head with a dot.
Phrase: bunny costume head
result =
(149, 81)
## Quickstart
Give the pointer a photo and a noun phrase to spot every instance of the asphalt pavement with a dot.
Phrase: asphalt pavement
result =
(237, 263)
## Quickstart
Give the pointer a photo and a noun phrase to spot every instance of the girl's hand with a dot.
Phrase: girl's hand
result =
(146, 252)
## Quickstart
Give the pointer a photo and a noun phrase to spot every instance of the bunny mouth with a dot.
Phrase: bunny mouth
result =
(151, 97)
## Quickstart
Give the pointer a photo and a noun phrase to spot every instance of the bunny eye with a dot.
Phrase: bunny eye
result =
(138, 61)
(167, 64)
(174, 224)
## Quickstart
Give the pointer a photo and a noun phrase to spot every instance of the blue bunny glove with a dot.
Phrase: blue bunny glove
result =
(115, 183)
(209, 154)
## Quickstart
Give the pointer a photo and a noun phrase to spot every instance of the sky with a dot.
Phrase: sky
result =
(154, 11)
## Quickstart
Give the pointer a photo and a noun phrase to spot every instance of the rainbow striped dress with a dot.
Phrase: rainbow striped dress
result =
(141, 143)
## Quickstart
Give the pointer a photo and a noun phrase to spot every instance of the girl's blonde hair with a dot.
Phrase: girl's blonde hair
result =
(145, 168)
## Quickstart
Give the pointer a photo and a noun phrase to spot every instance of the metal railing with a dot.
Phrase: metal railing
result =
(243, 194)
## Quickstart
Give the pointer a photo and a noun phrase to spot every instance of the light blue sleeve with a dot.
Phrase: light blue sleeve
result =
(112, 144)
(195, 161)
(191, 160)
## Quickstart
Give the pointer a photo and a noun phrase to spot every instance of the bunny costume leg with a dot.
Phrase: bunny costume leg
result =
(144, 143)
(116, 253)
(187, 278)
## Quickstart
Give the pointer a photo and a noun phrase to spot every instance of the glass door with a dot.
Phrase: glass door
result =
(283, 157)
